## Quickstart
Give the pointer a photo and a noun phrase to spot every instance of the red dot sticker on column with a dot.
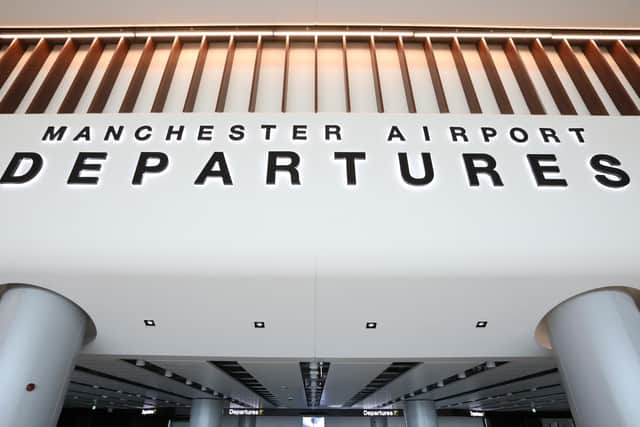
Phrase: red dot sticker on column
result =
(31, 387)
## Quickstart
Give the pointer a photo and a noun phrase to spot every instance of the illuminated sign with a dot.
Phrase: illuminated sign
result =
(315, 413)
(381, 413)
(244, 412)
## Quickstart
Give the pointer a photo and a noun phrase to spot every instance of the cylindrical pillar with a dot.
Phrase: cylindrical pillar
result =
(247, 421)
(420, 413)
(379, 422)
(206, 413)
(596, 342)
(40, 335)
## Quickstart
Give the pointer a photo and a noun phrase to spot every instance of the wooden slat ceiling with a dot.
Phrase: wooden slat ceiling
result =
(599, 74)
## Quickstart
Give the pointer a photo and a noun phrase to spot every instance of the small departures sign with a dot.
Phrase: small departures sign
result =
(150, 154)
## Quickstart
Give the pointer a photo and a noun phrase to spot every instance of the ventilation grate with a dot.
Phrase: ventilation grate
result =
(237, 372)
(392, 372)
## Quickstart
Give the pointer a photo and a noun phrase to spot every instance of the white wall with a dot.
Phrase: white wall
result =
(567, 13)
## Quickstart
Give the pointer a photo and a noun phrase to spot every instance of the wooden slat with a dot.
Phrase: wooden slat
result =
(315, 74)
(27, 74)
(376, 74)
(499, 92)
(580, 80)
(609, 80)
(345, 66)
(226, 75)
(256, 76)
(558, 92)
(80, 81)
(522, 77)
(131, 96)
(285, 77)
(406, 78)
(465, 78)
(167, 76)
(441, 98)
(627, 64)
(109, 78)
(10, 59)
(54, 77)
(196, 77)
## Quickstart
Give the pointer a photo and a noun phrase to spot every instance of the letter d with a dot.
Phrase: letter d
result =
(10, 175)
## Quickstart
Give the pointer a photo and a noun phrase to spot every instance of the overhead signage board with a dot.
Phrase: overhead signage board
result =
(323, 412)
(231, 152)
(269, 210)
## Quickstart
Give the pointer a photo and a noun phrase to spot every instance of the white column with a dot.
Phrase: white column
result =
(379, 422)
(40, 335)
(206, 413)
(247, 421)
(420, 413)
(596, 342)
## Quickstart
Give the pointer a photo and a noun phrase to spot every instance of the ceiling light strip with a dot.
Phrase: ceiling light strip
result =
(321, 33)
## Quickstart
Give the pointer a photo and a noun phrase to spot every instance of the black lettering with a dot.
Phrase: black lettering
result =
(549, 134)
(395, 133)
(488, 133)
(113, 133)
(425, 133)
(290, 167)
(53, 134)
(143, 133)
(81, 164)
(578, 133)
(334, 130)
(10, 175)
(236, 133)
(518, 135)
(218, 160)
(205, 133)
(458, 132)
(145, 166)
(611, 176)
(84, 134)
(267, 131)
(172, 131)
(350, 158)
(427, 164)
(487, 168)
(539, 170)
(299, 133)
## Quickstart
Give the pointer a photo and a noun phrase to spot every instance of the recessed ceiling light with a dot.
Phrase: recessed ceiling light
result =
(259, 325)
(150, 322)
(289, 398)
(481, 324)
(372, 325)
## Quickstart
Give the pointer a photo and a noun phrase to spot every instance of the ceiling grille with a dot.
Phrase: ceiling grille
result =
(392, 372)
(237, 372)
(320, 70)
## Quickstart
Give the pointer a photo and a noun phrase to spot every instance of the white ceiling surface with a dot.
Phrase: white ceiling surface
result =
(541, 13)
